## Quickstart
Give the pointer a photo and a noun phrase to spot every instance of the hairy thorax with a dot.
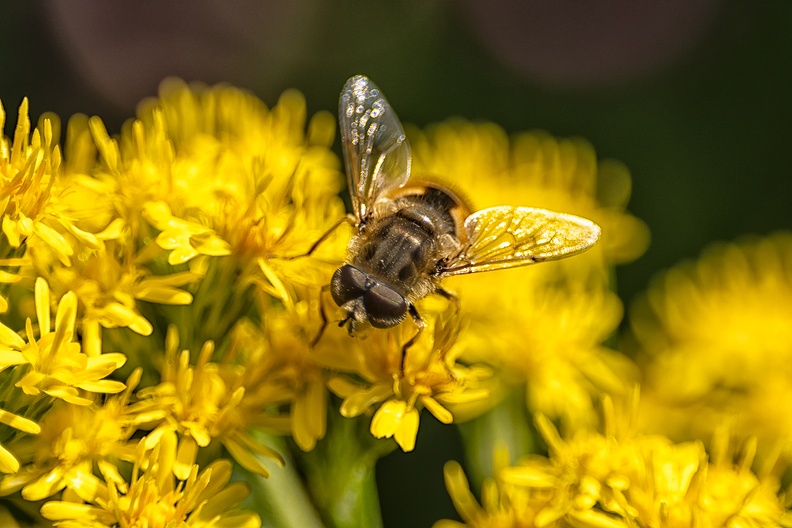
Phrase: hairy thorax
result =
(402, 247)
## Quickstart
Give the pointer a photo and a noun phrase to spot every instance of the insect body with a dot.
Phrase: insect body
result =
(394, 257)
(410, 234)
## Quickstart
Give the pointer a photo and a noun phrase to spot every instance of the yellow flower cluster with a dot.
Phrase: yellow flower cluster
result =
(716, 343)
(160, 236)
(175, 255)
(542, 326)
(430, 378)
(154, 497)
(33, 203)
(162, 322)
(619, 479)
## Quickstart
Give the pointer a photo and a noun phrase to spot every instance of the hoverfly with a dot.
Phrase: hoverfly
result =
(412, 234)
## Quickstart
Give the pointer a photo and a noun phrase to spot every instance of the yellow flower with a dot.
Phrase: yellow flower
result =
(30, 194)
(8, 462)
(398, 386)
(218, 173)
(542, 326)
(109, 287)
(623, 479)
(153, 497)
(548, 336)
(111, 270)
(221, 183)
(288, 327)
(533, 169)
(73, 441)
(54, 363)
(185, 240)
(716, 342)
(502, 505)
(210, 401)
(676, 486)
(33, 208)
(20, 411)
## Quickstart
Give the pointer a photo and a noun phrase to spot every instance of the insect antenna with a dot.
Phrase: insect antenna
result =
(350, 219)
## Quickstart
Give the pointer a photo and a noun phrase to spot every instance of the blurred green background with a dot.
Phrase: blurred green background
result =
(695, 96)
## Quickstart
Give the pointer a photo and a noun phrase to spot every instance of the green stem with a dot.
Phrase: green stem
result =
(340, 473)
(280, 499)
(506, 426)
(219, 302)
(23, 512)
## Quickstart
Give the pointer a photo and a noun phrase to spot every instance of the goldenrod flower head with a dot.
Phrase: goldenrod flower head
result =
(111, 270)
(21, 408)
(502, 505)
(218, 181)
(398, 383)
(548, 336)
(74, 439)
(290, 321)
(218, 173)
(29, 188)
(56, 365)
(542, 326)
(717, 342)
(533, 169)
(109, 286)
(32, 198)
(624, 479)
(204, 402)
(153, 497)
(187, 224)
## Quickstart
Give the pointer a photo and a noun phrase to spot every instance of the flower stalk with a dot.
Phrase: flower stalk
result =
(340, 473)
(505, 432)
(282, 498)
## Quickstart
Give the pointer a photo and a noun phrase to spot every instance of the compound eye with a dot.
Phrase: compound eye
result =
(347, 283)
(384, 306)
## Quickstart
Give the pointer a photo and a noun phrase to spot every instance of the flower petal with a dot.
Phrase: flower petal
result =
(8, 462)
(388, 418)
(407, 431)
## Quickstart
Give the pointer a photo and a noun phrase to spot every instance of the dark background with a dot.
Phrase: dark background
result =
(695, 96)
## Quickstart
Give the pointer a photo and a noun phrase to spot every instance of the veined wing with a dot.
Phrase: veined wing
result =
(376, 151)
(507, 237)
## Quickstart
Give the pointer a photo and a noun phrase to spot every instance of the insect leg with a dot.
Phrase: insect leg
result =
(418, 323)
(448, 295)
(323, 315)
(347, 218)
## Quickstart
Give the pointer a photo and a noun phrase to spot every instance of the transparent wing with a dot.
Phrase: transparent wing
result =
(376, 151)
(507, 237)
